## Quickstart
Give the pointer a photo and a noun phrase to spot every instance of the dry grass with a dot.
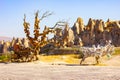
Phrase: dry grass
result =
(117, 51)
(70, 59)
(74, 59)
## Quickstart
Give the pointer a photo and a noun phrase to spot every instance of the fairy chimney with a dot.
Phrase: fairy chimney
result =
(68, 36)
(78, 26)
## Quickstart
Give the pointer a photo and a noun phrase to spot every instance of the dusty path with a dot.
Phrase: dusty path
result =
(41, 71)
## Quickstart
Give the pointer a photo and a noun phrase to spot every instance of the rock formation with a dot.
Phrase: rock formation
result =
(78, 26)
(113, 29)
(1, 46)
(64, 37)
(97, 32)
(58, 37)
(6, 47)
(9, 46)
(68, 36)
(25, 42)
(94, 33)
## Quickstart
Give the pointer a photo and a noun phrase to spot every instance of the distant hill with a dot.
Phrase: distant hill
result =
(5, 38)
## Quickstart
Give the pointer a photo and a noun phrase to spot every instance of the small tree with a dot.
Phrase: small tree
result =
(39, 39)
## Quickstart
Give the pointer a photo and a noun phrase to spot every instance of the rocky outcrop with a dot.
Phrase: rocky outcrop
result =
(97, 32)
(68, 36)
(112, 28)
(9, 46)
(99, 26)
(25, 42)
(94, 33)
(6, 47)
(78, 26)
(57, 40)
(1, 46)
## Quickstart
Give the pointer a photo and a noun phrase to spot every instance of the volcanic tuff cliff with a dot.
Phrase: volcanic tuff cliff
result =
(94, 33)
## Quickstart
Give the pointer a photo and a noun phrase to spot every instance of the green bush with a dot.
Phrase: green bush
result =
(6, 56)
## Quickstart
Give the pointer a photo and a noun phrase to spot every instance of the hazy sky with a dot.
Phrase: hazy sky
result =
(12, 13)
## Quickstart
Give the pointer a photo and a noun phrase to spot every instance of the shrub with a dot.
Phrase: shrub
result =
(6, 57)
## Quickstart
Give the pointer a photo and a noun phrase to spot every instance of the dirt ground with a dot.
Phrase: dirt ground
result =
(44, 71)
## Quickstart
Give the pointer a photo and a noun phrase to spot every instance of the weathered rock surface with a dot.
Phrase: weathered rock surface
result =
(64, 37)
(78, 26)
(68, 36)
(9, 46)
(94, 33)
(98, 32)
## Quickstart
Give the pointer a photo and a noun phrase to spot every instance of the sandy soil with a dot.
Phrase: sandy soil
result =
(43, 71)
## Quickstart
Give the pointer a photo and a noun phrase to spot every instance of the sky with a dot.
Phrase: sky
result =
(12, 13)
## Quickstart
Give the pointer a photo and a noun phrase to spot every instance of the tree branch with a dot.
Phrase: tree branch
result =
(46, 14)
(59, 23)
